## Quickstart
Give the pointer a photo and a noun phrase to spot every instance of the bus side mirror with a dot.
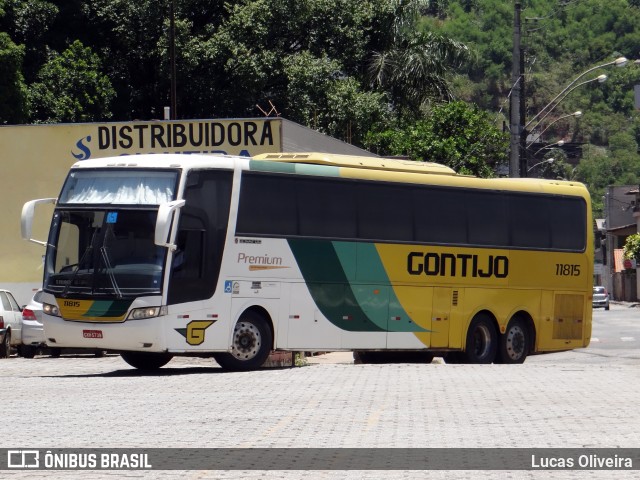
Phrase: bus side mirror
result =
(26, 219)
(163, 223)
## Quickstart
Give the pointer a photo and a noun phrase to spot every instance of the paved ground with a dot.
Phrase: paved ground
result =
(554, 401)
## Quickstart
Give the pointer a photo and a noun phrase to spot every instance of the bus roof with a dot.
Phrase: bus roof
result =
(346, 166)
(350, 161)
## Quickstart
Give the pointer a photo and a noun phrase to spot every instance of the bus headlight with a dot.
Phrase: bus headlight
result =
(49, 309)
(146, 312)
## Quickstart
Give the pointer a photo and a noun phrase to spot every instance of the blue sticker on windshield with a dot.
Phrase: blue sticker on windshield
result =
(112, 217)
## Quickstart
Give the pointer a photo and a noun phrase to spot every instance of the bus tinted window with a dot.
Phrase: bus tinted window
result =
(440, 216)
(268, 205)
(326, 209)
(320, 207)
(566, 218)
(487, 218)
(201, 234)
(529, 216)
(384, 212)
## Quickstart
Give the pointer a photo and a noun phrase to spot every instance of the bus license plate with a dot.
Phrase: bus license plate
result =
(92, 333)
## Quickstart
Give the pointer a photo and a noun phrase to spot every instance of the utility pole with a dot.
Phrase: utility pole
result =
(524, 164)
(515, 104)
(172, 55)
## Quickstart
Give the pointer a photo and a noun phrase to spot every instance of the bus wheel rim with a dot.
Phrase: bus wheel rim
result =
(515, 342)
(246, 341)
(482, 341)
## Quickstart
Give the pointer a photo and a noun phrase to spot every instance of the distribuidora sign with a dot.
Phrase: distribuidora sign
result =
(232, 137)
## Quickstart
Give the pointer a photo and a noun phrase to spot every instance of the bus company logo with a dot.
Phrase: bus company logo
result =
(194, 333)
(461, 264)
(260, 262)
(23, 458)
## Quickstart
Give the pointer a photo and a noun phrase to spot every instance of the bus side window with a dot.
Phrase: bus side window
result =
(200, 238)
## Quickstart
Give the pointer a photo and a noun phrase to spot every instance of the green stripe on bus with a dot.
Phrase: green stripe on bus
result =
(279, 167)
(368, 306)
(299, 168)
(373, 290)
(108, 308)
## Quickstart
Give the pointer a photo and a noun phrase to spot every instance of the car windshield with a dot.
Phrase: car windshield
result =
(109, 252)
(598, 290)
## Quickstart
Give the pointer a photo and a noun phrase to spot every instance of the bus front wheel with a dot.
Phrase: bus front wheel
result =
(482, 340)
(251, 345)
(514, 344)
(146, 361)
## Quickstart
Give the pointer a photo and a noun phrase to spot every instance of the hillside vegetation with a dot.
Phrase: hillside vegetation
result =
(427, 79)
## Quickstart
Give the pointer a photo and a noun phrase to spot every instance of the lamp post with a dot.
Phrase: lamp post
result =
(556, 144)
(576, 114)
(517, 124)
(618, 62)
(560, 97)
(548, 160)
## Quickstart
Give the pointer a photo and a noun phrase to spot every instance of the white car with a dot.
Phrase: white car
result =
(34, 340)
(32, 330)
(10, 323)
(600, 297)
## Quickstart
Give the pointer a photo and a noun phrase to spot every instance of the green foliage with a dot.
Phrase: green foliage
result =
(631, 249)
(375, 72)
(12, 86)
(70, 88)
(456, 134)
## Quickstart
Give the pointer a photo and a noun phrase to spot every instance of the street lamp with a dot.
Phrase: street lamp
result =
(548, 160)
(576, 114)
(517, 124)
(552, 145)
(618, 62)
(560, 97)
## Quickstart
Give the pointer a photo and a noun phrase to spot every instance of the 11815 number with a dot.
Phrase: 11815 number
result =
(567, 270)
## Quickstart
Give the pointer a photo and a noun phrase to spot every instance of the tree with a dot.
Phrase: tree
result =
(14, 92)
(414, 70)
(455, 134)
(631, 249)
(71, 88)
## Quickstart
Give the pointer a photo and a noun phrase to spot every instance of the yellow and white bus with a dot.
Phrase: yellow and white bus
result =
(161, 255)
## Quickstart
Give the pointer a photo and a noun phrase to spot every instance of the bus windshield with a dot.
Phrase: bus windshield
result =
(132, 187)
(105, 252)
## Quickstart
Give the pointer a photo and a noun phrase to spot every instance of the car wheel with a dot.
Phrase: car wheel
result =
(5, 347)
(27, 351)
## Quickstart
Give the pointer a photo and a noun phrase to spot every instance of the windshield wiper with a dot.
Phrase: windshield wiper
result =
(107, 264)
(77, 269)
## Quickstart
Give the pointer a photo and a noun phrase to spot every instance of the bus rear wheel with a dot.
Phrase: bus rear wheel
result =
(146, 361)
(515, 343)
(251, 345)
(482, 341)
